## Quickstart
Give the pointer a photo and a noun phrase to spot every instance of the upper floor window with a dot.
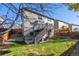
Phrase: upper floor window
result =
(40, 17)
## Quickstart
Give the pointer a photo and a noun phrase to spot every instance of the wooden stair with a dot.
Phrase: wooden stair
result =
(40, 36)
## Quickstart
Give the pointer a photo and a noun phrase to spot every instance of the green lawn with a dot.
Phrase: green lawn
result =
(55, 46)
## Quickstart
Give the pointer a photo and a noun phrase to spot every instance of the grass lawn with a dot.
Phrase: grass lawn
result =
(55, 47)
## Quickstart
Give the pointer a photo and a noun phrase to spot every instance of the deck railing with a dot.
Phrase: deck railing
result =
(39, 36)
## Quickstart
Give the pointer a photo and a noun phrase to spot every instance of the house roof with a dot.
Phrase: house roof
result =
(48, 17)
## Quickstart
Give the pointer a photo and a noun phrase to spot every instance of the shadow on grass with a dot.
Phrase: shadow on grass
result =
(56, 41)
(34, 54)
(16, 44)
(53, 40)
(21, 43)
(4, 52)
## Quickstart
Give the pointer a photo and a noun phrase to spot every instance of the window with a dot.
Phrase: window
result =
(40, 17)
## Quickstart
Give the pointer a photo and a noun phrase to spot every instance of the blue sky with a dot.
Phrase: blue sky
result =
(60, 13)
(67, 15)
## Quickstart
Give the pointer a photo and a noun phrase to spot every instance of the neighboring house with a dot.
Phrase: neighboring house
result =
(17, 29)
(76, 29)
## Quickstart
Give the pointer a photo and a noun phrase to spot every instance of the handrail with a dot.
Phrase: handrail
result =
(39, 36)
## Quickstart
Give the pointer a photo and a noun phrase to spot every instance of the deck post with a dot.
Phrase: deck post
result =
(1, 42)
(56, 27)
(70, 26)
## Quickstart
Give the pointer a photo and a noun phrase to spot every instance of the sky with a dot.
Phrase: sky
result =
(63, 13)
(59, 12)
